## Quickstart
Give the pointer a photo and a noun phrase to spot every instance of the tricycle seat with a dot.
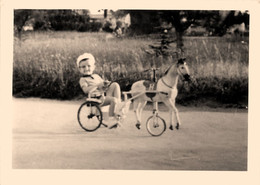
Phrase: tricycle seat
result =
(94, 100)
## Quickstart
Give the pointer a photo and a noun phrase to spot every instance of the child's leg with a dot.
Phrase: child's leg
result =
(114, 91)
(111, 101)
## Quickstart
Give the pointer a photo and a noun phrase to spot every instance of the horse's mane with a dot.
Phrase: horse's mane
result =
(180, 61)
(166, 72)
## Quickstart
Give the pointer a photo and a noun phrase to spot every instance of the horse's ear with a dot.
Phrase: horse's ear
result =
(181, 60)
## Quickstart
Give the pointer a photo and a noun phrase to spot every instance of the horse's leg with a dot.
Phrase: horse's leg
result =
(176, 112)
(167, 103)
(141, 108)
(174, 118)
(136, 105)
(178, 122)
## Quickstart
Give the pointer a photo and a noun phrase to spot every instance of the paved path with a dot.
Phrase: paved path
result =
(46, 135)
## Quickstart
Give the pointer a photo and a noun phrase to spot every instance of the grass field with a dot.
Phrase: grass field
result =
(44, 65)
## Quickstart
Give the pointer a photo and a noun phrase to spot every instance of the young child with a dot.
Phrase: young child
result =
(93, 82)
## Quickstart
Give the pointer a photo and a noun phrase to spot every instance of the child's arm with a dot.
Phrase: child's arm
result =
(87, 89)
(90, 88)
(103, 84)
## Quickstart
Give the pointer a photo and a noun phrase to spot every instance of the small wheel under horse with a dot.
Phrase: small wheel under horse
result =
(155, 125)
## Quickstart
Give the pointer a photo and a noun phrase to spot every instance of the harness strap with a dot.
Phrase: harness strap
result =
(166, 84)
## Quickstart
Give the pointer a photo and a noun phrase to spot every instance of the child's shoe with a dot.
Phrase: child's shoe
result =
(116, 122)
(114, 126)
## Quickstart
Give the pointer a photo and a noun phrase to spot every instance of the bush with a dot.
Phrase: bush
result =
(96, 26)
(82, 27)
(67, 21)
(222, 90)
(107, 27)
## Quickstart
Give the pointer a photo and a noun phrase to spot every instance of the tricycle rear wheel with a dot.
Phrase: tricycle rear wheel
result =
(90, 116)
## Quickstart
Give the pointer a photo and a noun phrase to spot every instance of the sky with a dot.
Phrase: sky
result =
(97, 10)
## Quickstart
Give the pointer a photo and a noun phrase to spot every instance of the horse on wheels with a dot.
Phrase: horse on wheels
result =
(167, 88)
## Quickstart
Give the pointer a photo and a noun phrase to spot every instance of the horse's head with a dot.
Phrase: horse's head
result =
(183, 69)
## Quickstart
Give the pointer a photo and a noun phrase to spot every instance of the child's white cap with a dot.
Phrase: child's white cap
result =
(85, 56)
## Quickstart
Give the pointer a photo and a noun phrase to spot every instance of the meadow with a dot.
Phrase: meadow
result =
(44, 65)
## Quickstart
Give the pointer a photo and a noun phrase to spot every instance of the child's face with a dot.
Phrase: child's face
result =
(86, 67)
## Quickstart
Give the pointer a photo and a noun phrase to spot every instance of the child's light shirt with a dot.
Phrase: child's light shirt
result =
(88, 82)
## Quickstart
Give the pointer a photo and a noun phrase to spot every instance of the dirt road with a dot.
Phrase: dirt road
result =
(46, 135)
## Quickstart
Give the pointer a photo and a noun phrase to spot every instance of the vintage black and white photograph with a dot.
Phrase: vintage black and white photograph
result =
(125, 89)
(130, 89)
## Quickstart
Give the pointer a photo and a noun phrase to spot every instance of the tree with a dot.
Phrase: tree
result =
(105, 13)
(146, 21)
(52, 19)
(232, 18)
(20, 18)
(142, 21)
(181, 20)
(69, 20)
(41, 20)
(218, 22)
